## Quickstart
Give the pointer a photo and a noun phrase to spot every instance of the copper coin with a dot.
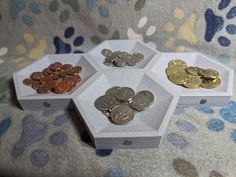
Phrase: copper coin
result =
(55, 66)
(55, 76)
(62, 87)
(36, 85)
(78, 69)
(36, 75)
(45, 78)
(43, 90)
(62, 73)
(28, 81)
(66, 67)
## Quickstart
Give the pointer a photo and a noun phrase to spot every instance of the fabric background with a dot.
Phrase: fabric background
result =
(199, 141)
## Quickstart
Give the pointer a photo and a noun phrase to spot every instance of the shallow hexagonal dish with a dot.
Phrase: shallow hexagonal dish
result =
(216, 97)
(29, 99)
(148, 126)
(129, 46)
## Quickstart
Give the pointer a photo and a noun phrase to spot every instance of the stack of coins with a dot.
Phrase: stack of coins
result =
(192, 77)
(57, 78)
(121, 59)
(119, 103)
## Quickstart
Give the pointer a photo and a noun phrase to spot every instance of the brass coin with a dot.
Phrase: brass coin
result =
(140, 102)
(122, 114)
(210, 83)
(105, 102)
(177, 62)
(106, 52)
(209, 73)
(179, 77)
(192, 70)
(148, 94)
(175, 68)
(124, 93)
(193, 82)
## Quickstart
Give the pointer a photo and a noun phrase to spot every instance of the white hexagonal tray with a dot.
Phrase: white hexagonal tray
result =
(147, 127)
(29, 99)
(129, 46)
(194, 97)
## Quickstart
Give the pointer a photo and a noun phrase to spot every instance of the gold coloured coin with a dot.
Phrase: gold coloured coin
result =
(177, 62)
(175, 68)
(192, 70)
(179, 77)
(193, 82)
(209, 73)
(210, 83)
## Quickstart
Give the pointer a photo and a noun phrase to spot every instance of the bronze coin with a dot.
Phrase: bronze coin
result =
(43, 90)
(66, 67)
(62, 87)
(28, 81)
(50, 84)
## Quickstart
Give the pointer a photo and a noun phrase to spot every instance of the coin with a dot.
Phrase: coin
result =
(211, 83)
(112, 91)
(193, 82)
(177, 62)
(105, 102)
(179, 77)
(122, 114)
(107, 113)
(131, 61)
(66, 67)
(139, 56)
(28, 81)
(175, 68)
(148, 94)
(119, 62)
(192, 70)
(209, 73)
(106, 52)
(139, 102)
(124, 94)
(109, 64)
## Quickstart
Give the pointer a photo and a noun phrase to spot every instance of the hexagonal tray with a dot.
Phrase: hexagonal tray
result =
(29, 99)
(147, 127)
(194, 97)
(129, 46)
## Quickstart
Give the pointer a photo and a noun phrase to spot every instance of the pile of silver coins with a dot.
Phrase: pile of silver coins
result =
(120, 103)
(121, 59)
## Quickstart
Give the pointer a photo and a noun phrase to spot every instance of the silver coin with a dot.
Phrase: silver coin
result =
(105, 102)
(139, 56)
(148, 94)
(106, 52)
(112, 91)
(139, 102)
(131, 61)
(109, 64)
(107, 113)
(120, 63)
(122, 114)
(124, 94)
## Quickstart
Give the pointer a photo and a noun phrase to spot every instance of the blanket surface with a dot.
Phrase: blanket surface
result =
(199, 141)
